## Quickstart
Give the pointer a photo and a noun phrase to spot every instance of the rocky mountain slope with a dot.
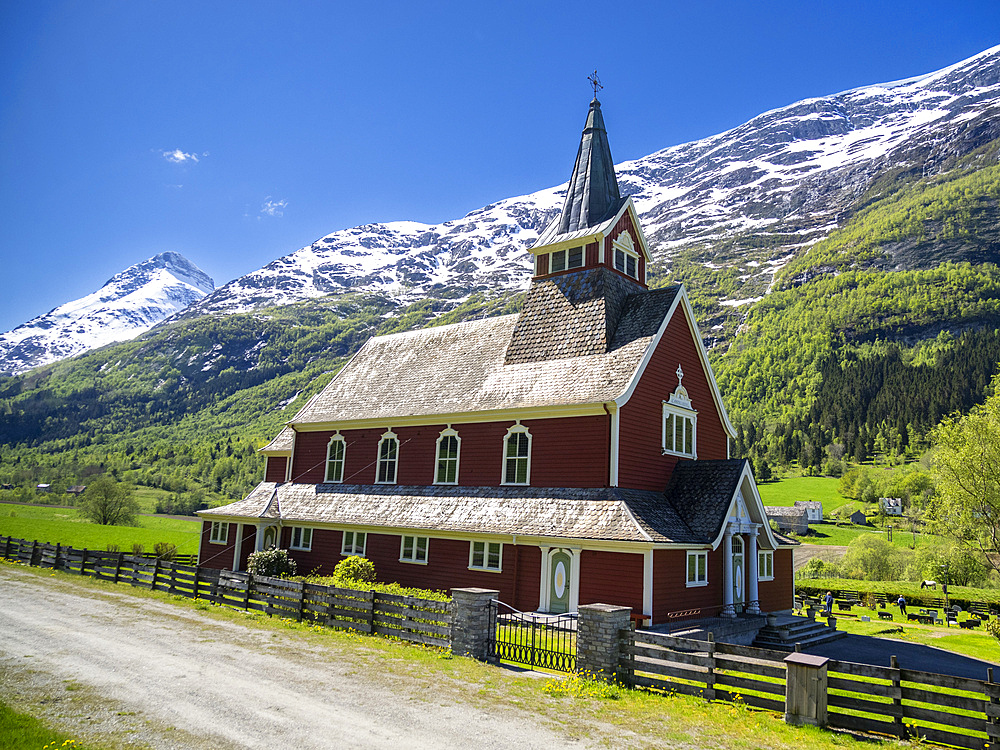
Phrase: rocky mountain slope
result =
(743, 202)
(128, 304)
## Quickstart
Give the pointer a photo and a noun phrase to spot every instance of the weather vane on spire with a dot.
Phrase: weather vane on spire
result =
(595, 82)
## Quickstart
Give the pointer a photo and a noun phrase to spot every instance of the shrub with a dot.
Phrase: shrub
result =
(274, 563)
(354, 568)
(137, 550)
(165, 551)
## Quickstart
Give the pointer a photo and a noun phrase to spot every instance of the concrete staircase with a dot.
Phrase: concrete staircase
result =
(792, 629)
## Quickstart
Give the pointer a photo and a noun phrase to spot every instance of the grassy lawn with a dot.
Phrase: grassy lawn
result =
(908, 589)
(790, 489)
(66, 526)
(828, 533)
(975, 643)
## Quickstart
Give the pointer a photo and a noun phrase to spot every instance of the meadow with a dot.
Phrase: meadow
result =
(60, 525)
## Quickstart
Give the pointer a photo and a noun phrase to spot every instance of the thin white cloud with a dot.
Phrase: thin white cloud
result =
(273, 207)
(179, 157)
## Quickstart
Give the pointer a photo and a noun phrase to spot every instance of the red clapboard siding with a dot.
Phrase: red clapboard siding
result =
(592, 255)
(780, 593)
(218, 556)
(611, 578)
(275, 471)
(447, 565)
(671, 593)
(642, 464)
(584, 439)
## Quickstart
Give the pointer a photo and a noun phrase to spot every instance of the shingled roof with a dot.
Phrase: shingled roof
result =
(697, 488)
(601, 513)
(461, 368)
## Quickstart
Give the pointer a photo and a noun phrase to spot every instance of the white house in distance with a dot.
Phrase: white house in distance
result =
(813, 508)
(891, 506)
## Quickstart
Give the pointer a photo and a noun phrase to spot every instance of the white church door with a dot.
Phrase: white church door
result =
(738, 578)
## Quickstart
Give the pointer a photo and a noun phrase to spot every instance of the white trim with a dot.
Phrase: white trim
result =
(623, 243)
(747, 488)
(335, 438)
(647, 583)
(223, 527)
(387, 436)
(545, 587)
(588, 409)
(446, 433)
(238, 546)
(515, 429)
(763, 570)
(414, 558)
(304, 544)
(486, 544)
(695, 553)
(344, 551)
(615, 415)
(689, 416)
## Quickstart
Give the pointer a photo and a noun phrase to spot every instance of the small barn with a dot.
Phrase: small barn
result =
(813, 508)
(789, 518)
(858, 518)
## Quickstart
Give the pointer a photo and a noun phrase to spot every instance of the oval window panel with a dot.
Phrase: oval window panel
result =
(560, 579)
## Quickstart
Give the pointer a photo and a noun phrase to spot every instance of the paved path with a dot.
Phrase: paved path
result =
(99, 660)
(869, 650)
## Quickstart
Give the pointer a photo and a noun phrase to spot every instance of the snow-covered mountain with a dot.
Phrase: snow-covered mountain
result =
(749, 198)
(129, 303)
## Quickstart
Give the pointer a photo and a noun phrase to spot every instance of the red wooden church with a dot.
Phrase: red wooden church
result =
(577, 452)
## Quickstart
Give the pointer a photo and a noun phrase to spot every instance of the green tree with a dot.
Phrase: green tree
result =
(109, 503)
(966, 470)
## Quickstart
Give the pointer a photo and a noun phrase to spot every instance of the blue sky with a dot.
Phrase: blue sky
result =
(235, 133)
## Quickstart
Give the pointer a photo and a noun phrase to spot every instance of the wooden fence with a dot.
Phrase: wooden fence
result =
(901, 703)
(408, 618)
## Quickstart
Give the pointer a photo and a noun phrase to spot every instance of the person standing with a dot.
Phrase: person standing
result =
(828, 603)
(902, 604)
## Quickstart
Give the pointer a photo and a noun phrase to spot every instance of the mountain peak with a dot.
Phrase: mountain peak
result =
(128, 303)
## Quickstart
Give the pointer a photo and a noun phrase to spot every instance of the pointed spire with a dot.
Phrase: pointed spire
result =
(593, 193)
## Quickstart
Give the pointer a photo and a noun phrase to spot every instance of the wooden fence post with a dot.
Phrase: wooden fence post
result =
(710, 676)
(31, 557)
(246, 592)
(805, 689)
(6, 549)
(302, 598)
(897, 699)
(118, 565)
(993, 730)
(83, 561)
(156, 572)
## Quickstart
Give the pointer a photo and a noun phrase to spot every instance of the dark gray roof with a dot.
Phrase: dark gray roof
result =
(605, 514)
(462, 368)
(576, 315)
(701, 492)
(592, 195)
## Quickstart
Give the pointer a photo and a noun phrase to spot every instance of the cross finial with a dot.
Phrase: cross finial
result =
(595, 82)
(680, 376)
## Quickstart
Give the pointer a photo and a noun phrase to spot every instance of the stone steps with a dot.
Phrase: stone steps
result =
(801, 630)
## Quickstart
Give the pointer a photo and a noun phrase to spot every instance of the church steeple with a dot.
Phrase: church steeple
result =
(592, 195)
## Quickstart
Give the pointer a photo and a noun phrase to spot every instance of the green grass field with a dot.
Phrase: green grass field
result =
(828, 533)
(790, 489)
(66, 526)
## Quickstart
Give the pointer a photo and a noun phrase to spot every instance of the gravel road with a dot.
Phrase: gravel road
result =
(104, 663)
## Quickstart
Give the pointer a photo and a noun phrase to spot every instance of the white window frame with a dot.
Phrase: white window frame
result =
(516, 429)
(447, 433)
(219, 533)
(352, 548)
(337, 439)
(301, 538)
(690, 417)
(765, 565)
(700, 577)
(623, 246)
(566, 259)
(484, 550)
(387, 437)
(409, 549)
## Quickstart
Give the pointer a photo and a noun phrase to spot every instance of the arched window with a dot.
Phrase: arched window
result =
(517, 455)
(336, 453)
(388, 455)
(448, 444)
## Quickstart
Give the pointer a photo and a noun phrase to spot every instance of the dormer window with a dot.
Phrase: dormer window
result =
(680, 423)
(565, 260)
(624, 256)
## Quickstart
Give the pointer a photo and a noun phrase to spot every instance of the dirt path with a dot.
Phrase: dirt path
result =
(105, 663)
(825, 552)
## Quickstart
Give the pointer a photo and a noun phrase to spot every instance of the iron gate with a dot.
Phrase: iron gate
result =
(533, 639)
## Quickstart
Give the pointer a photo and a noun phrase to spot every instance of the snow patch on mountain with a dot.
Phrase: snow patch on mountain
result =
(787, 172)
(128, 304)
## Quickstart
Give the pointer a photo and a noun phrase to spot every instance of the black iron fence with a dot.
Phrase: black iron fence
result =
(532, 639)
